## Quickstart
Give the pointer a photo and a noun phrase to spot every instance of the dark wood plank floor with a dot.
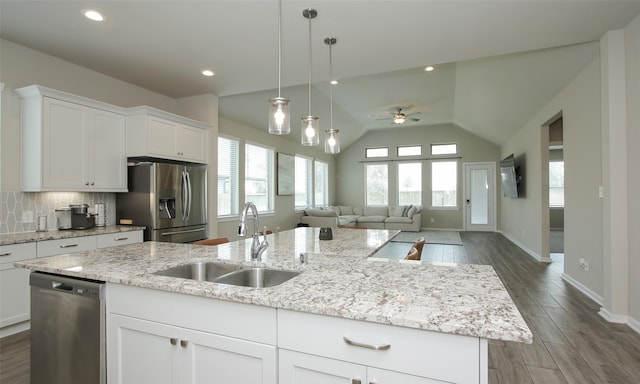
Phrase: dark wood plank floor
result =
(572, 343)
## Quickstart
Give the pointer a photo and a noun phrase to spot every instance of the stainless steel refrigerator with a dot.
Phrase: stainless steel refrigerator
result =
(169, 199)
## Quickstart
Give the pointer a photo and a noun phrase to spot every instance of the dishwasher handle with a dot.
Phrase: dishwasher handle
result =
(61, 286)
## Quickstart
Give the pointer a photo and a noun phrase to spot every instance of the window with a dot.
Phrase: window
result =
(444, 184)
(376, 152)
(376, 179)
(409, 183)
(258, 182)
(227, 177)
(413, 150)
(444, 149)
(321, 183)
(303, 182)
(556, 183)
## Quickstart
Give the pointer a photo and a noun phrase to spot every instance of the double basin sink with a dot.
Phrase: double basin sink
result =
(255, 277)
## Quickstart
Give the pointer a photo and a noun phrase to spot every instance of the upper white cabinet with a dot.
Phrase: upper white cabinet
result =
(70, 143)
(155, 133)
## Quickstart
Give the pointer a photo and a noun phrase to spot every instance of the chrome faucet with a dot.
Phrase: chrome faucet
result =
(257, 247)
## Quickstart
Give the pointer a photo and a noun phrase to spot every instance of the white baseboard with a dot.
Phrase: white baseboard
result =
(634, 324)
(13, 329)
(530, 252)
(582, 288)
(612, 317)
(441, 229)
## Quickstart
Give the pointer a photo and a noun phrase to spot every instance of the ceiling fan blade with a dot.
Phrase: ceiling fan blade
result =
(414, 113)
(414, 119)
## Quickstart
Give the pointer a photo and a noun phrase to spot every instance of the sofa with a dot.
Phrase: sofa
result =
(404, 218)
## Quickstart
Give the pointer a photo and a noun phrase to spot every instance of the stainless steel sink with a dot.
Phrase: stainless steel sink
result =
(229, 274)
(257, 277)
(199, 271)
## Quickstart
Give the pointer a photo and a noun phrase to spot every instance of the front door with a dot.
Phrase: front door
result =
(480, 196)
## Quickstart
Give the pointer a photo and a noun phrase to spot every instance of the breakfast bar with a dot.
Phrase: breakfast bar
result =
(344, 313)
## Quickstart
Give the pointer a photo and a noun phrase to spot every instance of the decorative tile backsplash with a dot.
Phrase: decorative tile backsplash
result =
(15, 206)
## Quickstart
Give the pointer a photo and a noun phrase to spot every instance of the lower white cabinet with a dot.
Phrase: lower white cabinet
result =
(302, 368)
(14, 287)
(151, 352)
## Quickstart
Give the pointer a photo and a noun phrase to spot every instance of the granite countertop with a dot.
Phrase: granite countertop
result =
(55, 234)
(340, 279)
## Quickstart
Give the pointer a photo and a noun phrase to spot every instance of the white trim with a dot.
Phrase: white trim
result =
(612, 317)
(531, 253)
(582, 288)
(633, 324)
(491, 166)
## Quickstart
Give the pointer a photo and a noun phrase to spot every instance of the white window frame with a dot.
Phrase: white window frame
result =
(408, 147)
(371, 152)
(457, 186)
(367, 184)
(557, 188)
(307, 183)
(321, 182)
(399, 181)
(444, 145)
(270, 179)
(233, 177)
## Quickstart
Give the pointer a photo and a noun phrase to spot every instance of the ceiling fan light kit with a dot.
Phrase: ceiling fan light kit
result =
(310, 134)
(279, 122)
(331, 144)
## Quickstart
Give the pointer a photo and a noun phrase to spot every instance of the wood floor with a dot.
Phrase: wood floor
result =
(572, 343)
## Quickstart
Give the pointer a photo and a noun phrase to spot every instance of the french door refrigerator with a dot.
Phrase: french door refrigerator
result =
(169, 199)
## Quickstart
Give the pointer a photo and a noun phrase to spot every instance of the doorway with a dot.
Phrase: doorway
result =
(480, 197)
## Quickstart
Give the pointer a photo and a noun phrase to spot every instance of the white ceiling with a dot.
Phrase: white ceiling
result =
(496, 61)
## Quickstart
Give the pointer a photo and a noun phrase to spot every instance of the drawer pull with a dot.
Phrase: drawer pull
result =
(120, 238)
(356, 381)
(68, 245)
(5, 254)
(184, 343)
(173, 340)
(382, 347)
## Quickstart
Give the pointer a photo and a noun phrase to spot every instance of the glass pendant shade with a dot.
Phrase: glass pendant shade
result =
(310, 130)
(279, 123)
(332, 144)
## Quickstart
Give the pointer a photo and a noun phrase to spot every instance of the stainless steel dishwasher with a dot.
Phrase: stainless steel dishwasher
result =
(67, 330)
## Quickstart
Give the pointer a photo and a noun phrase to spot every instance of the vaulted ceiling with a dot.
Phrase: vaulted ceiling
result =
(496, 62)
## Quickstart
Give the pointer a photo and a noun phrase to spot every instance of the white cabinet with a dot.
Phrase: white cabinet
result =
(71, 143)
(163, 337)
(158, 134)
(351, 351)
(14, 286)
(119, 238)
(302, 368)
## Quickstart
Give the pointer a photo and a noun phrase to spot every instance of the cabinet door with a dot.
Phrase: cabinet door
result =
(106, 152)
(301, 368)
(14, 295)
(162, 137)
(63, 146)
(140, 351)
(209, 358)
(381, 376)
(193, 144)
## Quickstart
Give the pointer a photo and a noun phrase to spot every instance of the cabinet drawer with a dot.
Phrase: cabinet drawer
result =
(119, 238)
(62, 246)
(17, 252)
(412, 351)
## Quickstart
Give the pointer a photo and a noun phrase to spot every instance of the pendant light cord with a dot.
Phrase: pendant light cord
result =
(279, 45)
(331, 85)
(310, 17)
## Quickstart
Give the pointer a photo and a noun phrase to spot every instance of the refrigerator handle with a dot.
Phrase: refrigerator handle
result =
(184, 200)
(190, 197)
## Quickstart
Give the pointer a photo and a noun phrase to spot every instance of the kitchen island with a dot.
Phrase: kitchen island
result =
(346, 315)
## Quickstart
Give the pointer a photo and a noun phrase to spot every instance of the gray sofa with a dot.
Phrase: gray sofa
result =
(404, 218)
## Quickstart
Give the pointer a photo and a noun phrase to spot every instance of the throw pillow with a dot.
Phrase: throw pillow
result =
(346, 210)
(396, 211)
(405, 211)
(411, 211)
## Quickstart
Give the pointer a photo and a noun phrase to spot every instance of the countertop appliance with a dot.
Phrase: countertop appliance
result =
(169, 199)
(68, 322)
(80, 217)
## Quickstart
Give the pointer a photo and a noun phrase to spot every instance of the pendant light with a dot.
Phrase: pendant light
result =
(310, 124)
(279, 123)
(331, 145)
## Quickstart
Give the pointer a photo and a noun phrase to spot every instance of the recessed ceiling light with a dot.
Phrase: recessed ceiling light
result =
(429, 68)
(92, 15)
(207, 73)
(334, 82)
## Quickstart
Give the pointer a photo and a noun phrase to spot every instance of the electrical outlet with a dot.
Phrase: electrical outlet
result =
(432, 220)
(584, 264)
(27, 217)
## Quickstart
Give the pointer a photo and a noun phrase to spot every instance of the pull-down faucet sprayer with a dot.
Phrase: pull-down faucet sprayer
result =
(257, 247)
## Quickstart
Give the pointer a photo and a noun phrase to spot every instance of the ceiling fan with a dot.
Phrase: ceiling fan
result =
(400, 117)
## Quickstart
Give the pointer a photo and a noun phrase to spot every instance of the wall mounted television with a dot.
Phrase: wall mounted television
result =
(510, 176)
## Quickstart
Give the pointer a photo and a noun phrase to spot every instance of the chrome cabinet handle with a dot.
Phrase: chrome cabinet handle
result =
(120, 238)
(68, 245)
(183, 343)
(174, 340)
(382, 347)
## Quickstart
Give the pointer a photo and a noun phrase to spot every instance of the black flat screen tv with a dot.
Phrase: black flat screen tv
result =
(509, 176)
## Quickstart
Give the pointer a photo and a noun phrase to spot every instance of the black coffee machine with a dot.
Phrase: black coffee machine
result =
(80, 217)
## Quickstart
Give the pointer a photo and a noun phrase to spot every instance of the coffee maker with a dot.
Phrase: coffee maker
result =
(80, 217)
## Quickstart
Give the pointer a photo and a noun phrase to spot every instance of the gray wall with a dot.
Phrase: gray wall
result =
(350, 170)
(285, 216)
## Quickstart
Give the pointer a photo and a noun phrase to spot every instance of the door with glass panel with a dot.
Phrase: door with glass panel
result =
(480, 196)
